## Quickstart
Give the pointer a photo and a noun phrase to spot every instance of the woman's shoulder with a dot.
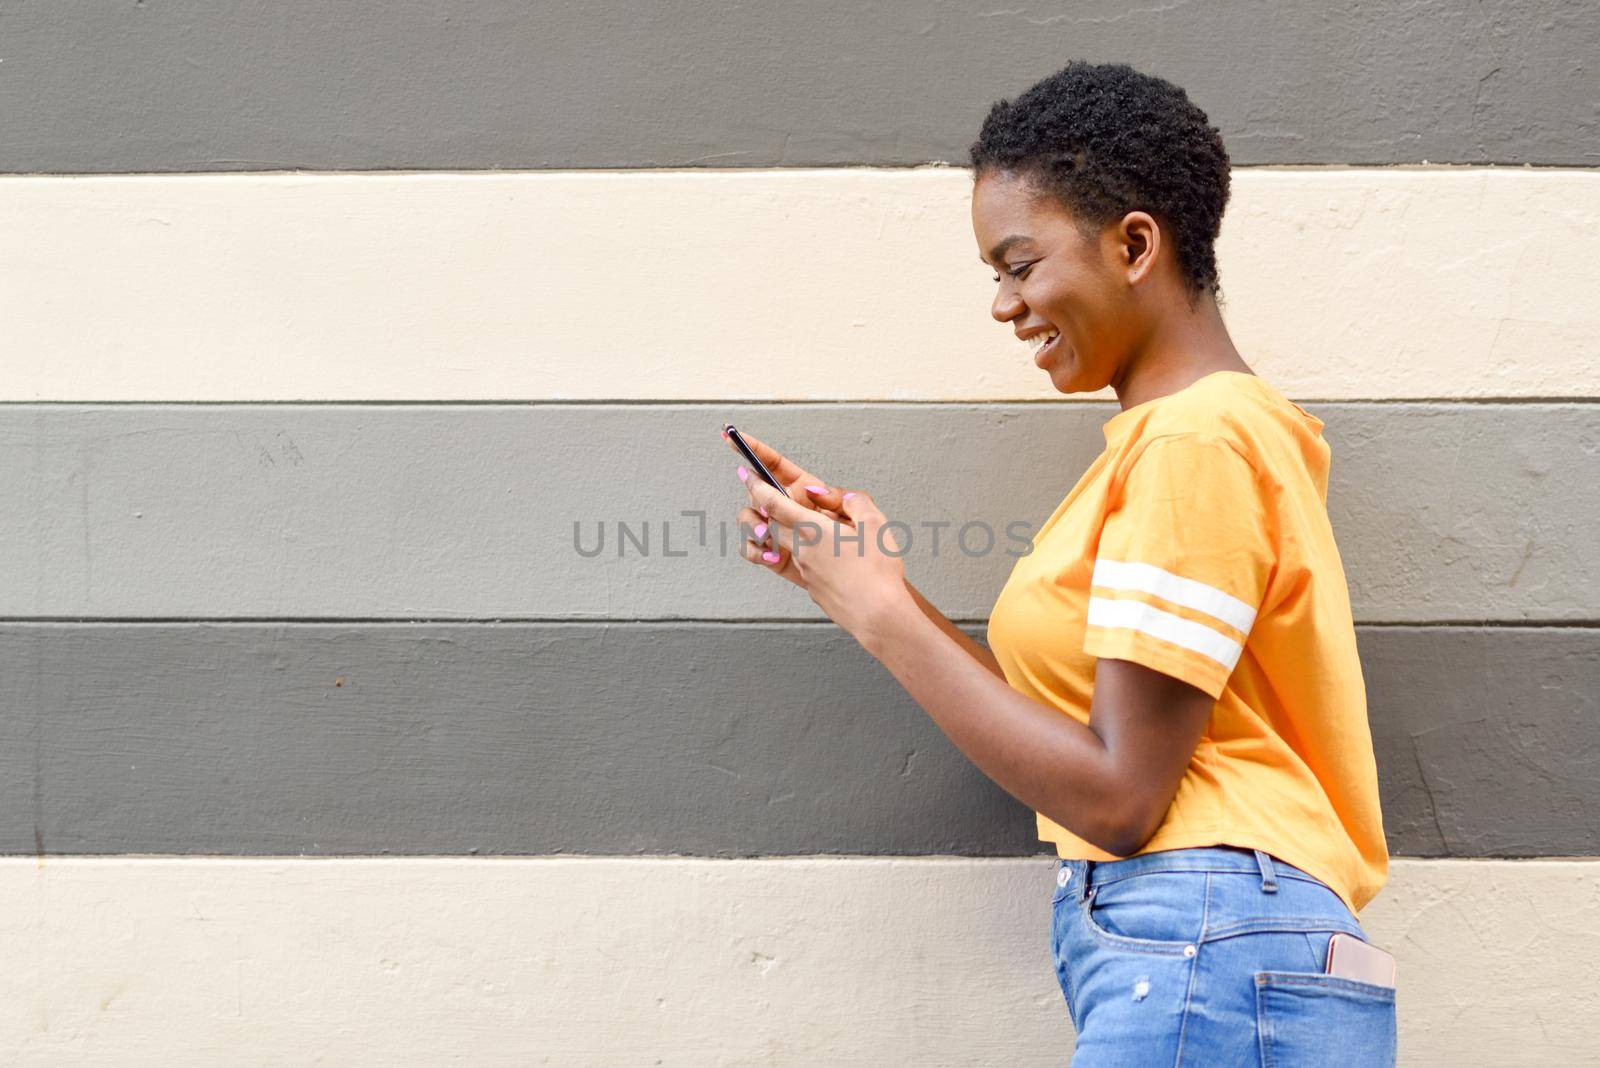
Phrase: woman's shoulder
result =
(1221, 405)
(1241, 409)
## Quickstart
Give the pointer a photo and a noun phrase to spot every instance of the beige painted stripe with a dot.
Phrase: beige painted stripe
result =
(792, 961)
(819, 284)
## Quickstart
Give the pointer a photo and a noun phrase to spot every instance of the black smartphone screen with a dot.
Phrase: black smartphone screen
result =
(749, 454)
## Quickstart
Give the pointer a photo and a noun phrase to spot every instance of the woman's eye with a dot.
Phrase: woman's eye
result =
(1016, 273)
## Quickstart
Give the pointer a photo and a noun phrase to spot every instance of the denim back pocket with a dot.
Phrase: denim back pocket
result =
(1317, 1019)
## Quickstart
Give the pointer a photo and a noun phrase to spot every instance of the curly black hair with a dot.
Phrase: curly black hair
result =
(1106, 140)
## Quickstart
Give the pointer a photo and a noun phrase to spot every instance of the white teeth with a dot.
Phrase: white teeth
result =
(1039, 341)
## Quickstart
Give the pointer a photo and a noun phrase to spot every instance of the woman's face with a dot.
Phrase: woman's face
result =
(1052, 280)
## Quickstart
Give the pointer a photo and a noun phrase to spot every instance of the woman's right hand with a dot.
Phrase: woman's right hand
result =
(794, 480)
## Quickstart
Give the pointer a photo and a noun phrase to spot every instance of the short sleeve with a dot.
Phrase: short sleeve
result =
(1183, 561)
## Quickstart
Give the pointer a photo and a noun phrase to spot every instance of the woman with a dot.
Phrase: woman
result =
(1173, 686)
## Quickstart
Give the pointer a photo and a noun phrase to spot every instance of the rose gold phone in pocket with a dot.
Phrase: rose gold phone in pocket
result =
(1351, 958)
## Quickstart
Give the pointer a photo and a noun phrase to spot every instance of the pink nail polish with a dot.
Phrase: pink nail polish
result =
(724, 434)
(764, 514)
(761, 530)
(816, 489)
(744, 473)
(770, 557)
(847, 496)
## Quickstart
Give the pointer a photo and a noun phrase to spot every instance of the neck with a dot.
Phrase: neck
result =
(1180, 348)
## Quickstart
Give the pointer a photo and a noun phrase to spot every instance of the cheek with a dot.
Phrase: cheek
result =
(1078, 319)
(1094, 318)
(1060, 303)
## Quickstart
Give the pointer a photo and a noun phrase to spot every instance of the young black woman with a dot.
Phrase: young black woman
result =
(1171, 681)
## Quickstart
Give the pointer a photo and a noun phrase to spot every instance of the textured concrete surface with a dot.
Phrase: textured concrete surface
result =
(768, 285)
(1447, 512)
(783, 961)
(1486, 738)
(171, 85)
(703, 739)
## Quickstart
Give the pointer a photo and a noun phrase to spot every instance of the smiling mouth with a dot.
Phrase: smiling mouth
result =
(1043, 345)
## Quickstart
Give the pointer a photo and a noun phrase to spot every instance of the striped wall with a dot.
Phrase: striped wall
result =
(798, 960)
(751, 285)
(334, 337)
(225, 85)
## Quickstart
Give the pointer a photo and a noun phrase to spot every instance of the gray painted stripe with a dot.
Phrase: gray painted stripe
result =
(1445, 512)
(708, 739)
(172, 85)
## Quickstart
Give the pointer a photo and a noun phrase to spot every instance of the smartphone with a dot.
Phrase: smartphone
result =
(1352, 958)
(750, 457)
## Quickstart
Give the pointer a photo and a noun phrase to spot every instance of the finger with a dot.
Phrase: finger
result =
(858, 505)
(750, 479)
(766, 556)
(789, 473)
(773, 505)
(774, 558)
(864, 512)
(826, 498)
(795, 492)
(779, 537)
(805, 537)
(802, 491)
(752, 525)
(748, 517)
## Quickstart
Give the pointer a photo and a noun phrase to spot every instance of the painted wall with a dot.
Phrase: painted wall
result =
(222, 85)
(290, 465)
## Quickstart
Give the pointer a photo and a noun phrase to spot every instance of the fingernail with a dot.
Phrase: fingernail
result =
(744, 474)
(770, 557)
(761, 530)
(847, 496)
(816, 489)
(724, 434)
(763, 512)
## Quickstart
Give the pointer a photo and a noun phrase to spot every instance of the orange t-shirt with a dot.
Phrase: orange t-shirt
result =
(1198, 544)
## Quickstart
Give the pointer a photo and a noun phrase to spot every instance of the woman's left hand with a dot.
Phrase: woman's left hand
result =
(853, 569)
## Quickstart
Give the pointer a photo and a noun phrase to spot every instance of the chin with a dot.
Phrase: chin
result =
(1066, 378)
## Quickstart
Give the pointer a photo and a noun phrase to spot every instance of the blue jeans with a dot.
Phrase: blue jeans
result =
(1210, 957)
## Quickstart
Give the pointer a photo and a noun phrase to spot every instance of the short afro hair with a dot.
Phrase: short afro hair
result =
(1106, 140)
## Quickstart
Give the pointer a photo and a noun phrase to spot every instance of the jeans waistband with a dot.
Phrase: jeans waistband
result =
(1090, 873)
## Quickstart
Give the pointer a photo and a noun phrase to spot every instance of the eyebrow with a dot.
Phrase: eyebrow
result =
(1001, 249)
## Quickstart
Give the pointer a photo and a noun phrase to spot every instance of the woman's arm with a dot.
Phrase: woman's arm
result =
(977, 650)
(1110, 782)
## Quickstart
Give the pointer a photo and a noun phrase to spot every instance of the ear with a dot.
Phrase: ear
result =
(1139, 239)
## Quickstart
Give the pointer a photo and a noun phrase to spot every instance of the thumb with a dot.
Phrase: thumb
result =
(858, 505)
(826, 498)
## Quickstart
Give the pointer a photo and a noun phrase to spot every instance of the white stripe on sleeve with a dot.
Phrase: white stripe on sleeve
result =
(1147, 619)
(1147, 578)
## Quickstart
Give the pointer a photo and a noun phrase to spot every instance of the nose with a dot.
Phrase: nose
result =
(1007, 305)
